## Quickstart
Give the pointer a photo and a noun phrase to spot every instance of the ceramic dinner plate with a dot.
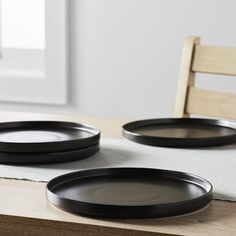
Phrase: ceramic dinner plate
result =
(181, 132)
(129, 192)
(48, 158)
(46, 136)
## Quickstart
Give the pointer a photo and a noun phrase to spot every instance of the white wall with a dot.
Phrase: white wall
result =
(125, 54)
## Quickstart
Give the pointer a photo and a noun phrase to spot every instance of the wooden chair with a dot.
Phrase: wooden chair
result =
(205, 59)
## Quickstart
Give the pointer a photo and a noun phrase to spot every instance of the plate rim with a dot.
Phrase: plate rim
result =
(144, 139)
(86, 152)
(15, 147)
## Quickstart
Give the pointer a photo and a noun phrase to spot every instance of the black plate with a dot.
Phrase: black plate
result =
(46, 136)
(47, 158)
(181, 132)
(129, 192)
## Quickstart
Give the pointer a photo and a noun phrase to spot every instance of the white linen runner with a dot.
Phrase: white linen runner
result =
(216, 164)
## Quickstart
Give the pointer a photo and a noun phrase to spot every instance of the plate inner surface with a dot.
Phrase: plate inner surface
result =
(129, 191)
(183, 131)
(42, 135)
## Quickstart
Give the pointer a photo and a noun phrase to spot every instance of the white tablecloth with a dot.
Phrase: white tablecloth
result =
(218, 164)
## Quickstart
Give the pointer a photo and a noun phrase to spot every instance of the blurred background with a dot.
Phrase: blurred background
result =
(104, 58)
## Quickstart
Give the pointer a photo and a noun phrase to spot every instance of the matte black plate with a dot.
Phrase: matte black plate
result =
(46, 136)
(181, 132)
(129, 192)
(47, 158)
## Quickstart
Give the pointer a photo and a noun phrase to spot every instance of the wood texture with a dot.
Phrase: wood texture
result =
(186, 77)
(214, 60)
(15, 226)
(205, 59)
(25, 211)
(211, 103)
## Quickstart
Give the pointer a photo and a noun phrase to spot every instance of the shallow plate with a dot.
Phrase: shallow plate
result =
(46, 136)
(181, 132)
(129, 192)
(47, 158)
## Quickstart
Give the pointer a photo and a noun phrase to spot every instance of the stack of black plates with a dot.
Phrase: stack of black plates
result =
(42, 142)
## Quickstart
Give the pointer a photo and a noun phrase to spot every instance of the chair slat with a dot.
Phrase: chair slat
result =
(186, 76)
(213, 59)
(211, 103)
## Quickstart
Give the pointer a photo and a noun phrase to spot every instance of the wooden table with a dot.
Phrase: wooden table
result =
(25, 211)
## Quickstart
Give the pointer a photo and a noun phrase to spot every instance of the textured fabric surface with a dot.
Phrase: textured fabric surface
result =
(216, 164)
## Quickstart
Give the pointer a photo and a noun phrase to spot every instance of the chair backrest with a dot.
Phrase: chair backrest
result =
(205, 59)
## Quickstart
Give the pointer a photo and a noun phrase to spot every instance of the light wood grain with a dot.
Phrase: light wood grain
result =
(214, 60)
(205, 59)
(211, 103)
(186, 76)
